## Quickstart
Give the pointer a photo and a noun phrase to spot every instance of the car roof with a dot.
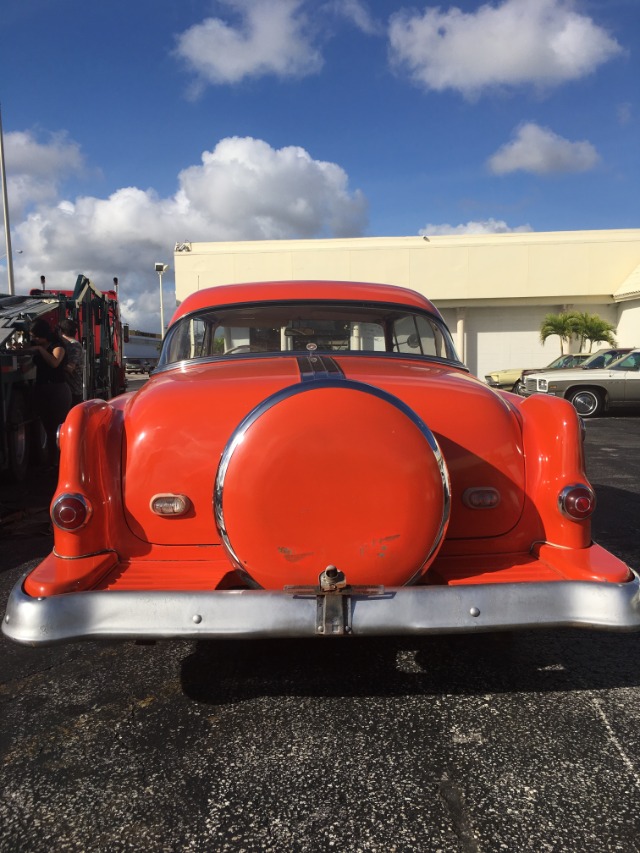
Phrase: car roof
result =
(622, 351)
(307, 290)
(575, 373)
(625, 355)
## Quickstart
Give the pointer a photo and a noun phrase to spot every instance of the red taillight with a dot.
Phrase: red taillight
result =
(70, 512)
(577, 502)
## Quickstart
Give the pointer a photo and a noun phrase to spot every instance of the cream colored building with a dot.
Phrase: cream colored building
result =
(492, 290)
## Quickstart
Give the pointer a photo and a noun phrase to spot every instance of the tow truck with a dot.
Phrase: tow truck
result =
(100, 331)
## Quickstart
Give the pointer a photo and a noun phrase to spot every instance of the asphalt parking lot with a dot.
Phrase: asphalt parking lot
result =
(528, 742)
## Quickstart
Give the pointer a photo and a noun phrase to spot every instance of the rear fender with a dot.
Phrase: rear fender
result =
(89, 438)
(554, 459)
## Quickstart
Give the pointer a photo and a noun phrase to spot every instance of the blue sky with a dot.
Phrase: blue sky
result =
(132, 125)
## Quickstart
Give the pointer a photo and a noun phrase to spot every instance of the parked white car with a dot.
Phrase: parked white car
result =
(593, 391)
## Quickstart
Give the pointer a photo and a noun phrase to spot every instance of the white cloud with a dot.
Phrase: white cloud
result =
(35, 169)
(358, 14)
(625, 113)
(272, 39)
(517, 42)
(485, 226)
(242, 190)
(541, 151)
(245, 189)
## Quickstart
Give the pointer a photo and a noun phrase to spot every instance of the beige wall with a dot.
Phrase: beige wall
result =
(628, 323)
(506, 282)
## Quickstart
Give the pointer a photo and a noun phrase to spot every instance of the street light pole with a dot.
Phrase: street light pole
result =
(5, 208)
(160, 269)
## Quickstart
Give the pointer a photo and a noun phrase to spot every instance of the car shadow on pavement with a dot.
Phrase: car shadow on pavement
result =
(615, 522)
(25, 523)
(227, 671)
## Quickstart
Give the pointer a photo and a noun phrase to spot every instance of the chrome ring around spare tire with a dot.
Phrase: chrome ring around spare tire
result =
(240, 432)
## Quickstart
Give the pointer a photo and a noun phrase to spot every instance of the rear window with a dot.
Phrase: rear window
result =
(305, 328)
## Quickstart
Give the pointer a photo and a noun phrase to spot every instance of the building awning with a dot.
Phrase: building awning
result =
(630, 287)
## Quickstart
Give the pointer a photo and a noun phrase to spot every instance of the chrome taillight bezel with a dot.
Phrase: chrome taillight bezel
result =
(565, 501)
(69, 527)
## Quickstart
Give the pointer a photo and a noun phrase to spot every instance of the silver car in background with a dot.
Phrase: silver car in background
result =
(593, 391)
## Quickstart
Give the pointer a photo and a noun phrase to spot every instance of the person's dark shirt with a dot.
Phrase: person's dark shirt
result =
(45, 374)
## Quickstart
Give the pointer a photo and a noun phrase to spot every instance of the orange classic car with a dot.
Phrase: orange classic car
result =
(311, 458)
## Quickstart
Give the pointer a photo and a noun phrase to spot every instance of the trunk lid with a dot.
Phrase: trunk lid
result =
(178, 425)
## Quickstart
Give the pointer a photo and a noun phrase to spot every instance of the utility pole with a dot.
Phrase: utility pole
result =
(5, 208)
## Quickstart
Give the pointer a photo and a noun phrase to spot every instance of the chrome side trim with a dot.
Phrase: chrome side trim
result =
(239, 433)
(85, 556)
(264, 613)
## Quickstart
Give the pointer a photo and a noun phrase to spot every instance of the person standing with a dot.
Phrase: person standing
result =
(53, 393)
(73, 369)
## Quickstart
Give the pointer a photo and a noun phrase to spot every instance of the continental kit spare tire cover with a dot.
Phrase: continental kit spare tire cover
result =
(333, 473)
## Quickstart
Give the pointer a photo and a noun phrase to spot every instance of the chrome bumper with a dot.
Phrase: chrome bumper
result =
(264, 613)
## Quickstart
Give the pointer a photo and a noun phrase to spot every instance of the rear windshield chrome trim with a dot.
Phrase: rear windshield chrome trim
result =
(346, 303)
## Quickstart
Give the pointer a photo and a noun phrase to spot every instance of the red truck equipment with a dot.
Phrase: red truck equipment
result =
(97, 315)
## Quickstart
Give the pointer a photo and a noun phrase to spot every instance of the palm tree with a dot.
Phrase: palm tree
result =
(592, 328)
(563, 325)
